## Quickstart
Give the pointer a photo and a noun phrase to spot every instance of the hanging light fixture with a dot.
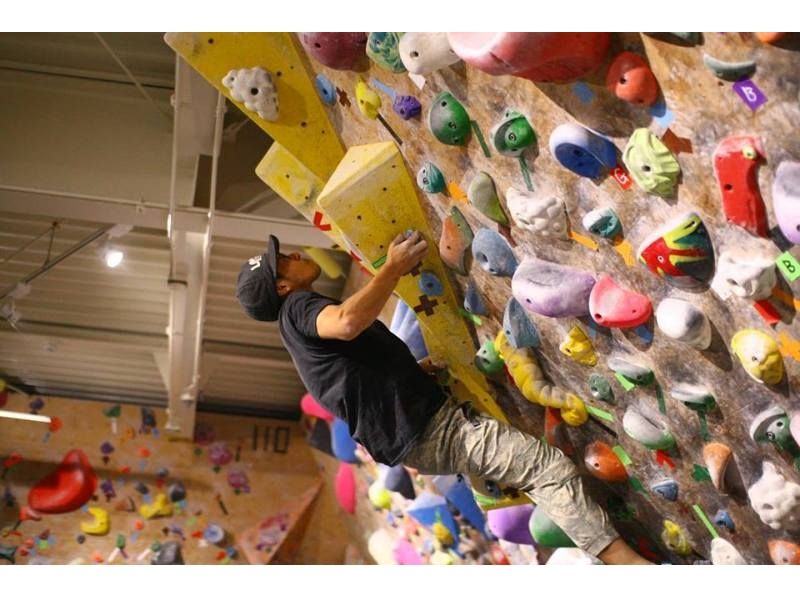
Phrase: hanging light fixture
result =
(112, 256)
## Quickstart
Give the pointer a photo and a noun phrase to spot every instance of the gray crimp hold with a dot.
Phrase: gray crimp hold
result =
(176, 491)
(638, 374)
(519, 329)
(473, 302)
(169, 554)
(730, 71)
(493, 253)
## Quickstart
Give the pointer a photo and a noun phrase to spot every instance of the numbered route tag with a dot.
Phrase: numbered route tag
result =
(622, 177)
(788, 266)
(750, 93)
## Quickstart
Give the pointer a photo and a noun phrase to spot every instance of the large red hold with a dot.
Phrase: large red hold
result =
(343, 51)
(629, 78)
(67, 488)
(736, 162)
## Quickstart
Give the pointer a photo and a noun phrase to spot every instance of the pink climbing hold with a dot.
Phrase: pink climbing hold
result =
(67, 488)
(404, 553)
(539, 57)
(736, 162)
(310, 406)
(614, 306)
(346, 487)
(794, 426)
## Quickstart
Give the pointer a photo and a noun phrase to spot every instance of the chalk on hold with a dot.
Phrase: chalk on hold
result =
(603, 463)
(448, 120)
(541, 212)
(747, 272)
(675, 538)
(759, 355)
(255, 89)
(582, 150)
(513, 134)
(600, 388)
(772, 425)
(518, 327)
(680, 251)
(482, 194)
(169, 554)
(493, 253)
(406, 107)
(697, 398)
(725, 553)
(99, 524)
(603, 222)
(473, 302)
(423, 52)
(635, 372)
(683, 321)
(646, 427)
(651, 165)
(383, 48)
(786, 199)
(577, 346)
(456, 238)
(487, 360)
(717, 457)
(614, 306)
(369, 102)
(546, 533)
(784, 552)
(776, 500)
(511, 523)
(736, 161)
(430, 179)
(341, 51)
(666, 489)
(552, 290)
(160, 507)
(629, 78)
(729, 71)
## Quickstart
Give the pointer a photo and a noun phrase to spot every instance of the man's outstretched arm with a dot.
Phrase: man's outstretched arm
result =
(356, 313)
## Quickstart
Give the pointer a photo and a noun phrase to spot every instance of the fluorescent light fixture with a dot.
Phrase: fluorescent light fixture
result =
(31, 417)
(113, 257)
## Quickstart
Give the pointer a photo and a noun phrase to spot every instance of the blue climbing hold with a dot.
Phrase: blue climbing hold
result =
(325, 89)
(473, 302)
(430, 284)
(666, 489)
(724, 519)
(581, 150)
(518, 328)
(398, 480)
(493, 253)
(406, 107)
(344, 447)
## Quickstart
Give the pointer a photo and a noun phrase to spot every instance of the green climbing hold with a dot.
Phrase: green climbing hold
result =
(482, 194)
(487, 359)
(448, 120)
(651, 164)
(512, 135)
(430, 179)
(113, 411)
(384, 50)
(600, 388)
(700, 473)
(546, 533)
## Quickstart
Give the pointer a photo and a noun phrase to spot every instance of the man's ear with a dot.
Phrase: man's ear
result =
(284, 287)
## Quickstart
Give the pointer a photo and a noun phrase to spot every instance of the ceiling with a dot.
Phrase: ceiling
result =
(87, 331)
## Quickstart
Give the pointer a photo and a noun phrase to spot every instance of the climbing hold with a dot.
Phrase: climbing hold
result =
(473, 302)
(783, 552)
(552, 290)
(603, 222)
(141, 488)
(430, 284)
(786, 199)
(772, 425)
(344, 447)
(629, 78)
(646, 427)
(736, 162)
(442, 534)
(600, 388)
(456, 238)
(384, 50)
(325, 89)
(724, 519)
(684, 322)
(99, 524)
(404, 552)
(176, 491)
(513, 134)
(650, 163)
(578, 347)
(636, 373)
(448, 120)
(675, 539)
(539, 57)
(759, 355)
(483, 195)
(345, 486)
(540, 212)
(369, 102)
(680, 251)
(511, 523)
(493, 253)
(424, 53)
(730, 71)
(430, 179)
(614, 306)
(490, 495)
(747, 273)
(696, 398)
(160, 507)
(67, 488)
(546, 533)
(603, 463)
(794, 426)
(717, 457)
(769, 38)
(341, 51)
(691, 38)
(379, 496)
(555, 433)
(406, 107)
(7, 552)
(238, 480)
(213, 533)
(725, 553)
(776, 500)
(487, 360)
(398, 480)
(169, 554)
(310, 406)
(255, 89)
(519, 329)
(666, 489)
(582, 150)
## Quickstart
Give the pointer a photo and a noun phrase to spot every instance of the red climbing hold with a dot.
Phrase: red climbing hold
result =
(346, 487)
(342, 51)
(603, 463)
(555, 431)
(630, 78)
(67, 488)
(310, 406)
(736, 162)
(616, 307)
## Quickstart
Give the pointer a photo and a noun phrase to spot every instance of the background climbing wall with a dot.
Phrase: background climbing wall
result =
(698, 111)
(279, 470)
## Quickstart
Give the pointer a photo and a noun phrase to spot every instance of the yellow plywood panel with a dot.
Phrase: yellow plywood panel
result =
(303, 125)
(372, 198)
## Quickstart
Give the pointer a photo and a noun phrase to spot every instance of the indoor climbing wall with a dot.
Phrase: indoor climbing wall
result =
(109, 487)
(636, 195)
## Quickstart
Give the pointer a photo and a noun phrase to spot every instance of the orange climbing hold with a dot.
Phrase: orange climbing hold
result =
(603, 463)
(629, 78)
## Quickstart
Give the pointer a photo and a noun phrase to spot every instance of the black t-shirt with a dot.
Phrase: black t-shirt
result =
(372, 382)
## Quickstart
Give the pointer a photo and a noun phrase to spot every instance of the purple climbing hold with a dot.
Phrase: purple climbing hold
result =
(36, 404)
(493, 253)
(219, 454)
(107, 488)
(106, 448)
(552, 290)
(511, 523)
(239, 481)
(407, 107)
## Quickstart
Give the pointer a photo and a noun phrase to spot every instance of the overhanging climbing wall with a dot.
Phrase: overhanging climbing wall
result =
(679, 147)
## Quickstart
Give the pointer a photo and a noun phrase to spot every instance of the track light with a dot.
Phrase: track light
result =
(112, 257)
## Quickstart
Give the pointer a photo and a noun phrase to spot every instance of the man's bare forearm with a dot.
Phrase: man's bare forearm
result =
(363, 308)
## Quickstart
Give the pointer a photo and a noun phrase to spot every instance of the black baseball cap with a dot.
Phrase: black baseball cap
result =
(256, 287)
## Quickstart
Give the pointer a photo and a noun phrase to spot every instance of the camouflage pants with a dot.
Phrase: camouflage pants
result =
(460, 440)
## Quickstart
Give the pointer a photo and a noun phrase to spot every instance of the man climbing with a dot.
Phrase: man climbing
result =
(362, 373)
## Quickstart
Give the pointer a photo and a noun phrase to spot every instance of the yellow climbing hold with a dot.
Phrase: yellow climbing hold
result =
(577, 346)
(379, 496)
(160, 507)
(442, 534)
(675, 539)
(99, 524)
(369, 102)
